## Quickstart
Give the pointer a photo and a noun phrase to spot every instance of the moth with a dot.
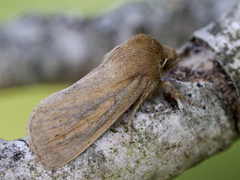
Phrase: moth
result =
(66, 123)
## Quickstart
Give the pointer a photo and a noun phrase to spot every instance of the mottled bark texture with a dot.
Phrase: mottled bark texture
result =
(168, 138)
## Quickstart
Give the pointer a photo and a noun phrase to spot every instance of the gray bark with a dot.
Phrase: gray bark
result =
(166, 140)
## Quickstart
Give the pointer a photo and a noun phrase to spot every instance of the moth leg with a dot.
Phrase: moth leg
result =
(173, 91)
(139, 102)
(119, 120)
(168, 87)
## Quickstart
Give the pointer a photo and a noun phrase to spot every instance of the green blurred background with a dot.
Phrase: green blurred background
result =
(16, 103)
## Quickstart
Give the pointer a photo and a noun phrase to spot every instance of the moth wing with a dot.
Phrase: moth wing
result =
(63, 125)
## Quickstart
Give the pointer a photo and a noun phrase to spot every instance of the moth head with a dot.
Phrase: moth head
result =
(169, 58)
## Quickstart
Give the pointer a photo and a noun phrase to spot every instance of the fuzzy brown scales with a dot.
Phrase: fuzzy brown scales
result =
(64, 124)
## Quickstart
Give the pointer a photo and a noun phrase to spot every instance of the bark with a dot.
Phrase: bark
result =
(167, 139)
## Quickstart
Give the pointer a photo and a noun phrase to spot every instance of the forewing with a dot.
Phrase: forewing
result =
(63, 125)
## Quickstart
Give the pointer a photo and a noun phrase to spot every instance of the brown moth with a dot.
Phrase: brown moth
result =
(64, 124)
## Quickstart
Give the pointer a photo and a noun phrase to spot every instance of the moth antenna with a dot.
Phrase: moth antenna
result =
(165, 61)
(161, 67)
